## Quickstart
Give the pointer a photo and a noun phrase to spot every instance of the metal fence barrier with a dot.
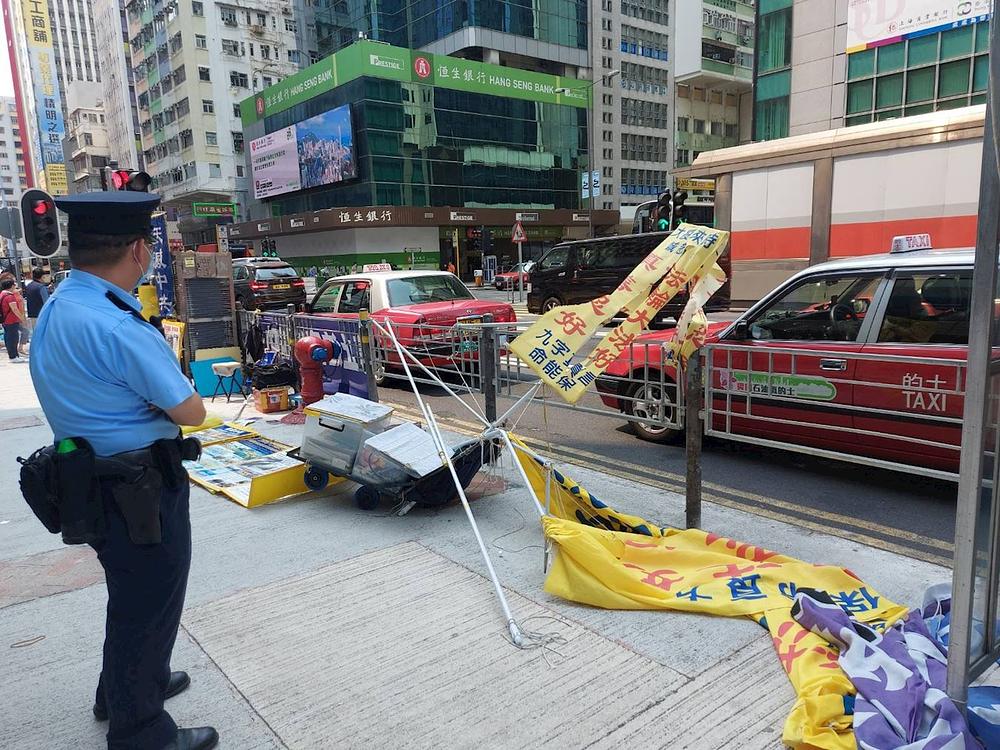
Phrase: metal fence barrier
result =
(768, 393)
(474, 357)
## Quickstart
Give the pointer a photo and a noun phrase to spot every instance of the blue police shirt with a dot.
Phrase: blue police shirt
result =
(98, 370)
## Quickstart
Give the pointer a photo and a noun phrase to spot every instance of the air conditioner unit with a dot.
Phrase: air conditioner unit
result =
(256, 30)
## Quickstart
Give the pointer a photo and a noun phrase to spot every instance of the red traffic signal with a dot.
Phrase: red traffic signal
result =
(40, 223)
(126, 179)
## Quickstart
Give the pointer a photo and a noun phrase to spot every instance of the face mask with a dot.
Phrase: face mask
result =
(147, 272)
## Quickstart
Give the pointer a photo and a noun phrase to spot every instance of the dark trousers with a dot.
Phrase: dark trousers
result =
(11, 338)
(146, 586)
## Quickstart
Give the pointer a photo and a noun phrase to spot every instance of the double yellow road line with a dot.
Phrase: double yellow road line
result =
(852, 529)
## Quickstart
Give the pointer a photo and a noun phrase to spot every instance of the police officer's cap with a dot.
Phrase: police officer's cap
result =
(119, 212)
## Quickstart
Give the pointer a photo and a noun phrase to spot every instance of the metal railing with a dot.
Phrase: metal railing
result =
(473, 357)
(751, 399)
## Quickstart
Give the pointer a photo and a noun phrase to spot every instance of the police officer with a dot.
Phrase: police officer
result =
(103, 374)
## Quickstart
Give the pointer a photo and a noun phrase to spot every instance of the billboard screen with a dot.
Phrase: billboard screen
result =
(274, 163)
(872, 23)
(314, 152)
(326, 148)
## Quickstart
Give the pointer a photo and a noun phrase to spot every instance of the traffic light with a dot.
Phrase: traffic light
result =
(487, 241)
(40, 224)
(664, 211)
(268, 249)
(125, 179)
(680, 212)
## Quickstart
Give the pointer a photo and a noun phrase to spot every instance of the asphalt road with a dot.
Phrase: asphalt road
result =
(898, 512)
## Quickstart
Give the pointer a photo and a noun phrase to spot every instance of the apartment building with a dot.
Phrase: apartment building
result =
(193, 62)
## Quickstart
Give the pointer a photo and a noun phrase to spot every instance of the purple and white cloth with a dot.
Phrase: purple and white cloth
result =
(899, 675)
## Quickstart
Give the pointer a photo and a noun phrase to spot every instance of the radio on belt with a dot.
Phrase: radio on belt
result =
(906, 243)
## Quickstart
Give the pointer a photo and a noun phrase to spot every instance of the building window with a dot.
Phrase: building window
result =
(211, 139)
(716, 128)
(933, 72)
(231, 47)
(771, 105)
(238, 80)
(236, 110)
(683, 123)
(293, 55)
(207, 106)
(204, 73)
(197, 9)
(732, 131)
(239, 170)
(215, 170)
(200, 41)
(88, 139)
(237, 142)
(683, 157)
(290, 25)
(228, 16)
(699, 126)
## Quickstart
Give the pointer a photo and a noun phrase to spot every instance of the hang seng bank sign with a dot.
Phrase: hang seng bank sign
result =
(367, 58)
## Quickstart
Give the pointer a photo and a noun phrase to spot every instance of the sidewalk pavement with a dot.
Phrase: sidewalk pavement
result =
(312, 624)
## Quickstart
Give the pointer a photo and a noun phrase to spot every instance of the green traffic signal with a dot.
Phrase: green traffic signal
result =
(662, 225)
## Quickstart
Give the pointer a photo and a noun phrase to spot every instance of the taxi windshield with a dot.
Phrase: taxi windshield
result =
(831, 308)
(417, 289)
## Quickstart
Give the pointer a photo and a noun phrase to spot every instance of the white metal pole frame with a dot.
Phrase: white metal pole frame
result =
(445, 455)
(963, 665)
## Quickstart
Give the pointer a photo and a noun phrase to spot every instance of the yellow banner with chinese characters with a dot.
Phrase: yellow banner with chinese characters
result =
(692, 325)
(614, 560)
(550, 345)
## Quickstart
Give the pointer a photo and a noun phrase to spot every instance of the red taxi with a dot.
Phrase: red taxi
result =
(424, 306)
(864, 356)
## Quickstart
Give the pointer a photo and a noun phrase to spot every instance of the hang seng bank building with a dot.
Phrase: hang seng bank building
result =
(383, 154)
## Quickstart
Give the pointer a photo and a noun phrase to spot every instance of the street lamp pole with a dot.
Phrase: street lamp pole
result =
(591, 160)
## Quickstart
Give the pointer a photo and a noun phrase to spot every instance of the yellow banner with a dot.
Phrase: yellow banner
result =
(550, 345)
(613, 560)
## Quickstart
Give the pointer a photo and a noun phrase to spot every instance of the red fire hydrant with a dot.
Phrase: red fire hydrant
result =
(312, 352)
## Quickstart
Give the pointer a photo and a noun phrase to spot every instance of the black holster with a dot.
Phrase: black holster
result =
(64, 490)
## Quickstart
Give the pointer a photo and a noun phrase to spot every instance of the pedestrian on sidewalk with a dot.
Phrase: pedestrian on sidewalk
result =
(106, 378)
(12, 314)
(36, 294)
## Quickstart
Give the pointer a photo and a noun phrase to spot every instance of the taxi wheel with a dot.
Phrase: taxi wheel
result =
(550, 304)
(649, 401)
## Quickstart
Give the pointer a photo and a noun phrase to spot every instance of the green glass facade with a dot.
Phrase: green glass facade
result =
(417, 23)
(938, 71)
(431, 130)
(773, 88)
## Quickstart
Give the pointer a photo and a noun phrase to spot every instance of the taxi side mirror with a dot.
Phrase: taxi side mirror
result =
(742, 331)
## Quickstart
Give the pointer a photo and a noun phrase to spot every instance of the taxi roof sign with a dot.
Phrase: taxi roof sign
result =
(906, 243)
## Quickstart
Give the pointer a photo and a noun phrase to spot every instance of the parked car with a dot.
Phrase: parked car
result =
(508, 279)
(851, 396)
(575, 272)
(423, 305)
(262, 284)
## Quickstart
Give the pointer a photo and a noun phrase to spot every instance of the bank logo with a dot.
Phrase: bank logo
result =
(388, 63)
(422, 67)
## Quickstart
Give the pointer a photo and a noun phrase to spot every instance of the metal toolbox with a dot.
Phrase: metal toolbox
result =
(336, 428)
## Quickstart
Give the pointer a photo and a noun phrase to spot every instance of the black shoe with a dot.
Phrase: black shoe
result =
(178, 683)
(198, 738)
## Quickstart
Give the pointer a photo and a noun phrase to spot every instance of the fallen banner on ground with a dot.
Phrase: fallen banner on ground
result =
(686, 257)
(616, 561)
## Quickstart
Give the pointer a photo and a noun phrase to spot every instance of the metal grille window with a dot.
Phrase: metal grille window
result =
(934, 72)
